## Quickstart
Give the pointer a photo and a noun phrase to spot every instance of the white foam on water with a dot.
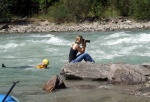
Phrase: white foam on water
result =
(121, 44)
(123, 37)
(10, 47)
(143, 54)
(98, 54)
(41, 35)
(117, 35)
(119, 41)
(143, 37)
(49, 39)
(32, 41)
(9, 56)
(58, 41)
(42, 38)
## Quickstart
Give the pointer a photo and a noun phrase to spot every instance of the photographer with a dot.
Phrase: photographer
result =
(75, 48)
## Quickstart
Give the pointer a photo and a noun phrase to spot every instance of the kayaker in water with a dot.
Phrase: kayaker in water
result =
(44, 64)
(75, 48)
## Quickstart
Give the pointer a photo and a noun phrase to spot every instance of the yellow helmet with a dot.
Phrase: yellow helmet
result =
(46, 61)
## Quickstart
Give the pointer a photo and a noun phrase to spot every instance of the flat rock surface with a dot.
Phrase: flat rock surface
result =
(114, 72)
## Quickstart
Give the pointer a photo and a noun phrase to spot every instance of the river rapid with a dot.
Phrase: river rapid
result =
(22, 52)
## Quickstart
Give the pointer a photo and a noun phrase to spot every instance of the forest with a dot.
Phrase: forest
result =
(74, 10)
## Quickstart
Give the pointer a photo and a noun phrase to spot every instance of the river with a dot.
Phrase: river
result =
(22, 52)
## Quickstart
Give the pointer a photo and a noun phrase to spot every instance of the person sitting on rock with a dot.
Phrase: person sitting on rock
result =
(43, 65)
(75, 48)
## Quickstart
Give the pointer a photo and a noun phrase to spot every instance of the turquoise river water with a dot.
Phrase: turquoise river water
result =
(26, 50)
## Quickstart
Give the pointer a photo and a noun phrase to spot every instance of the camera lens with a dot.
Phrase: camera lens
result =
(88, 41)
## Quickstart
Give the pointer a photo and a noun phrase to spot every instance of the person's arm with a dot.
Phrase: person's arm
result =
(41, 66)
(80, 49)
(83, 49)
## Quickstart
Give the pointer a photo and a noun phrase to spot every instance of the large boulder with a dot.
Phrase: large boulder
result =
(126, 74)
(86, 70)
(113, 72)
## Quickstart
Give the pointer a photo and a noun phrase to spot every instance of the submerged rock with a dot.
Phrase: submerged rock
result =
(121, 73)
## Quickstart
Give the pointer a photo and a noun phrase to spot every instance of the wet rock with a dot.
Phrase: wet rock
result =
(121, 73)
(54, 83)
(4, 26)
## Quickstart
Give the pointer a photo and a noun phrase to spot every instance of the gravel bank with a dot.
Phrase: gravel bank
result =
(45, 26)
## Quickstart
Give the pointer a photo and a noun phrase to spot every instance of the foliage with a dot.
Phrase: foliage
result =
(140, 9)
(122, 6)
(5, 14)
(97, 8)
(45, 4)
(58, 12)
(74, 10)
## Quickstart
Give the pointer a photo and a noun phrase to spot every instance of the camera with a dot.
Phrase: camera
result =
(88, 41)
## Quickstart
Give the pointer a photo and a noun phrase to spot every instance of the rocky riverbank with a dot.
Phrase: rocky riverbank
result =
(36, 26)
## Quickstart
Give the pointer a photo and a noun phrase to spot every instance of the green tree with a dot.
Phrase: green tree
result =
(45, 4)
(75, 10)
(21, 7)
(122, 6)
(97, 7)
(140, 9)
(59, 13)
(5, 14)
(78, 8)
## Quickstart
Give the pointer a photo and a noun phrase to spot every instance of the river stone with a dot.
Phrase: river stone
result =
(126, 74)
(86, 70)
(121, 73)
(146, 68)
(4, 26)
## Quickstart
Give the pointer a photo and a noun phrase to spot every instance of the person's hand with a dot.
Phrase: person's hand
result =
(84, 43)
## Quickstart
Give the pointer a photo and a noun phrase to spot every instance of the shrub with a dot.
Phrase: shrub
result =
(122, 6)
(140, 9)
(59, 13)
(5, 14)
